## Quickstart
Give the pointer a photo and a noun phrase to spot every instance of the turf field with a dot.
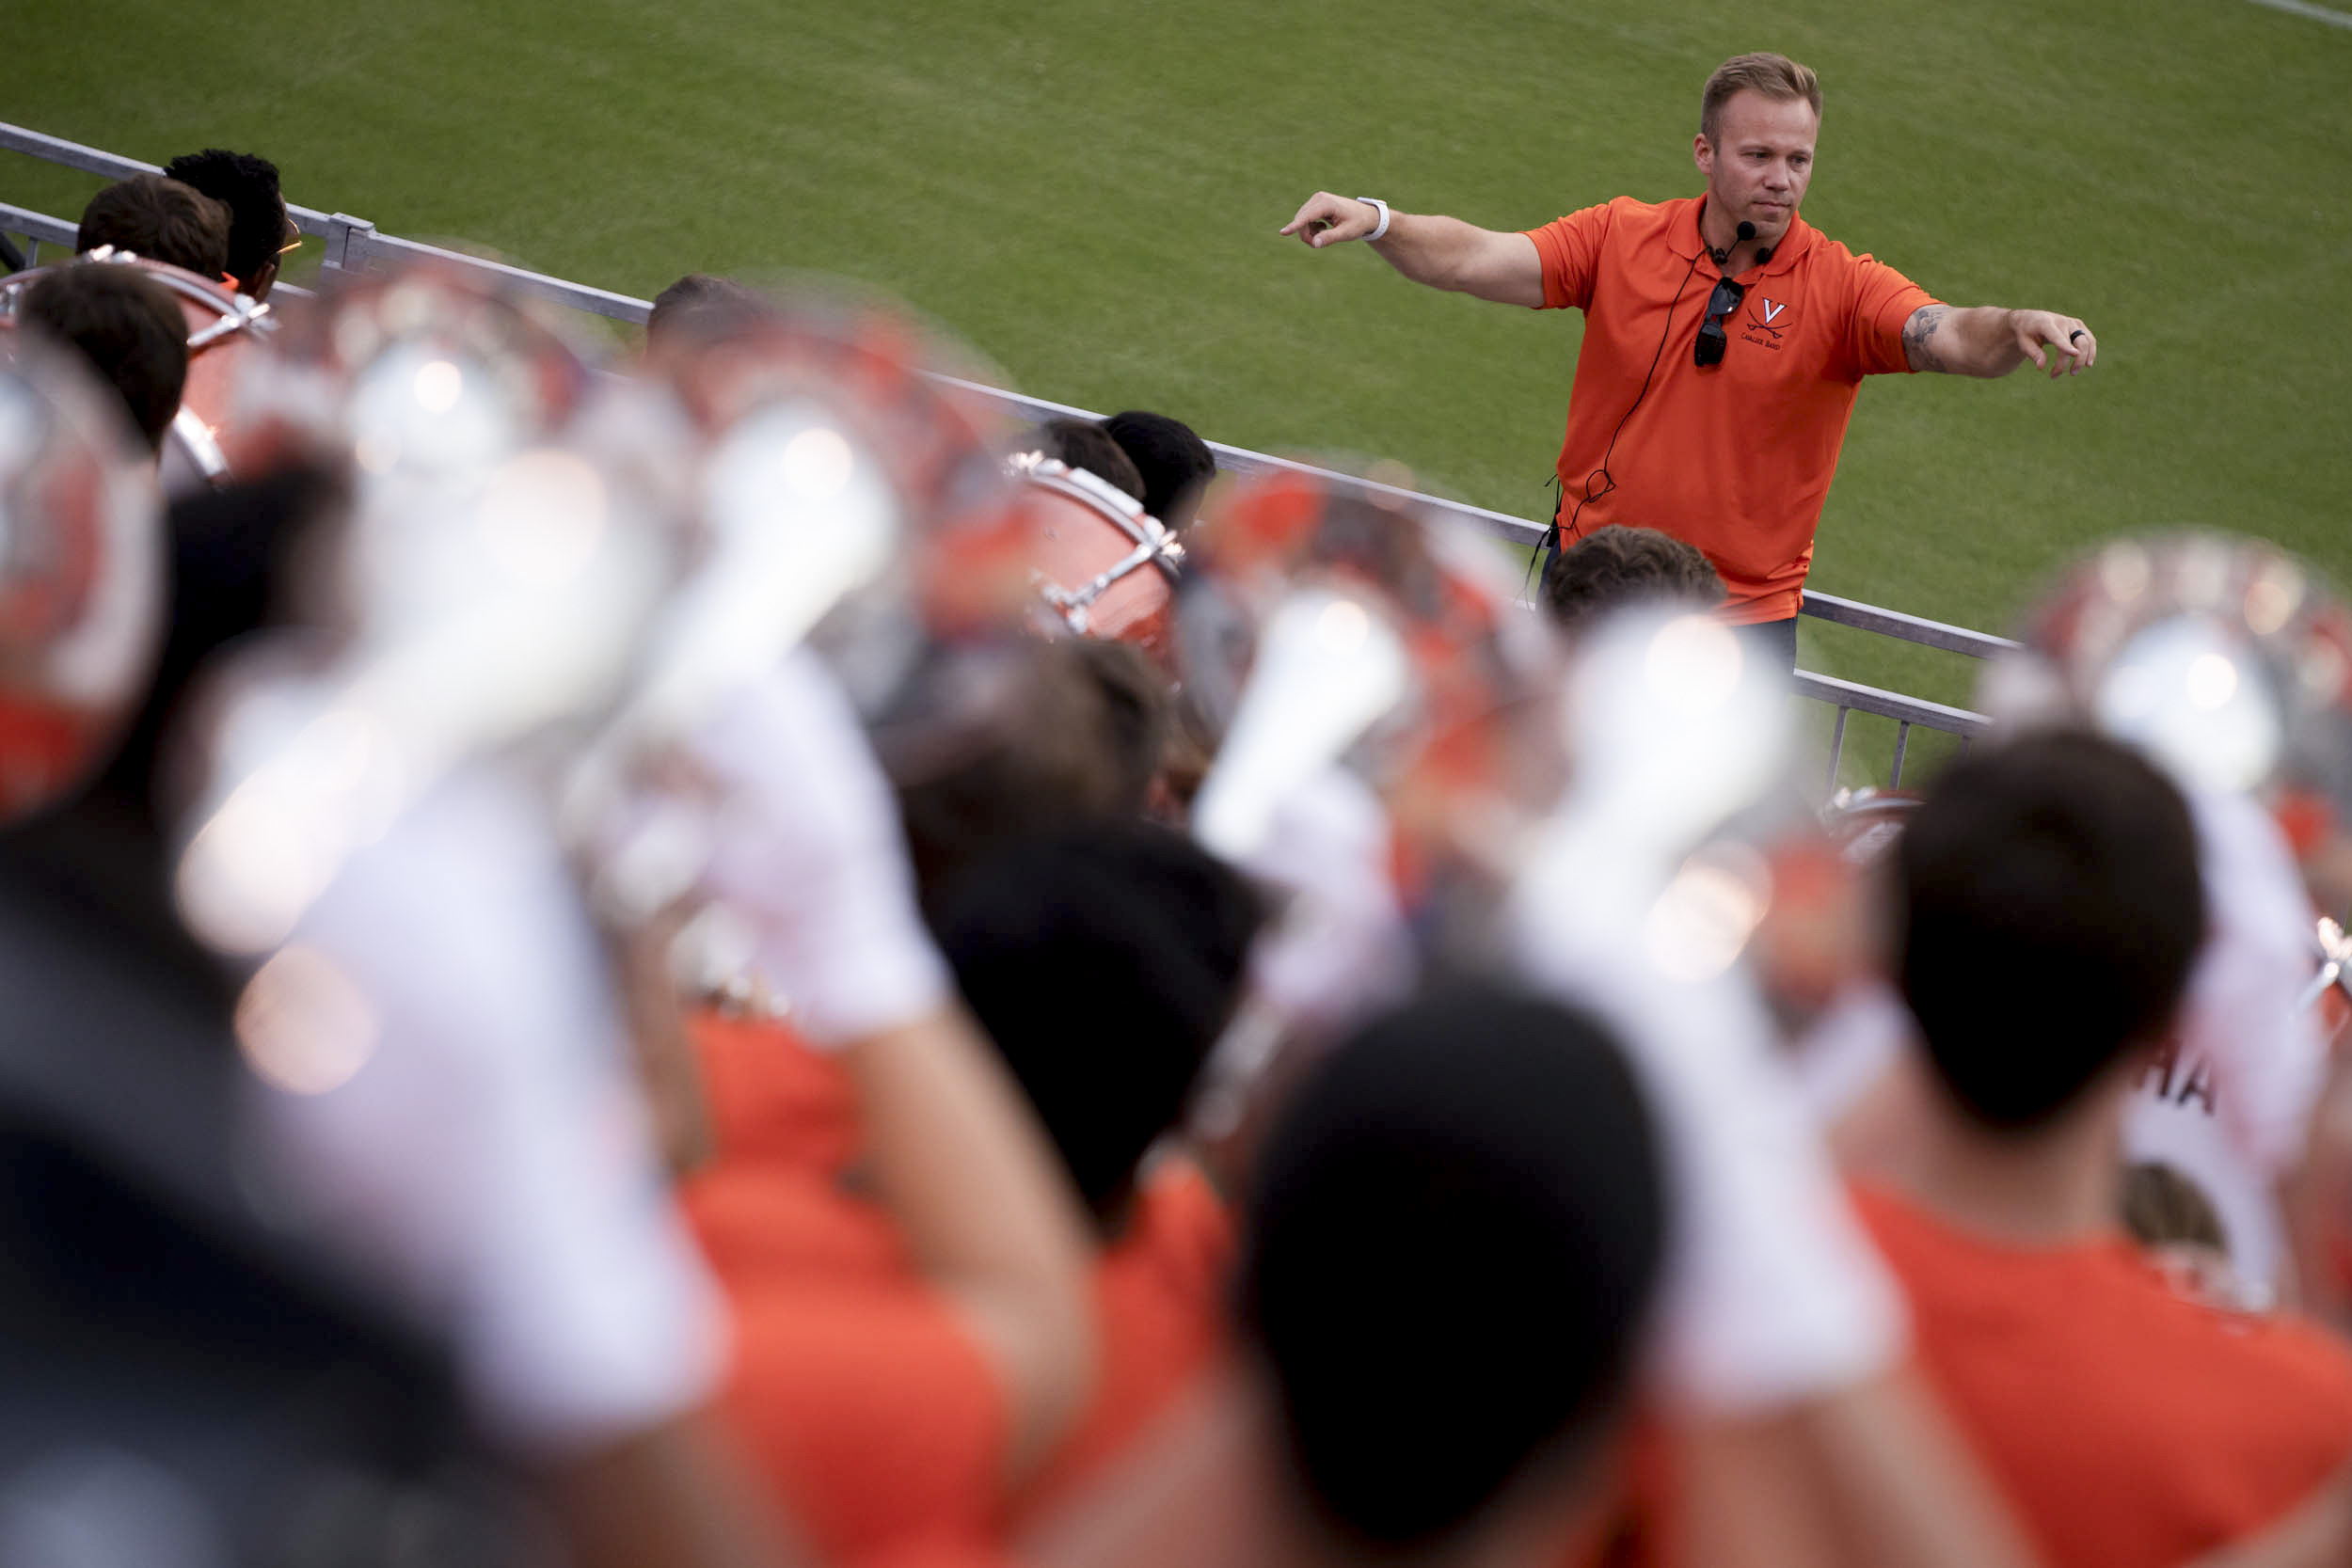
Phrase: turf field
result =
(1089, 191)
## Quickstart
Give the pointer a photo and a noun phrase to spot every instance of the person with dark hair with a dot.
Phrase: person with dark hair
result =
(1453, 1235)
(1007, 777)
(2067, 867)
(1086, 447)
(1616, 567)
(1023, 745)
(1127, 923)
(1132, 929)
(699, 304)
(260, 232)
(2049, 907)
(1176, 464)
(129, 329)
(1724, 339)
(1452, 1239)
(160, 219)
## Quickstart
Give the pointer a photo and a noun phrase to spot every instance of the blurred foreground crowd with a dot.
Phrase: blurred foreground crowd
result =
(718, 959)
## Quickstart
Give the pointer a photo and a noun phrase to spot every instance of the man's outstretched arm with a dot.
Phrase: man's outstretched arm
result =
(1442, 252)
(1989, 340)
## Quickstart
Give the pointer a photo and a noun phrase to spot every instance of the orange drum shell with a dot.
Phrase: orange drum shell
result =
(213, 369)
(1072, 543)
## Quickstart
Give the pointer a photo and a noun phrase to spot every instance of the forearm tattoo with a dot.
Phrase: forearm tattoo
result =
(1916, 331)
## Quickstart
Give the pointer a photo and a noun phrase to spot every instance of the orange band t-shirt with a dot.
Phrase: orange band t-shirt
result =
(1159, 1306)
(2128, 1427)
(1736, 458)
(857, 1392)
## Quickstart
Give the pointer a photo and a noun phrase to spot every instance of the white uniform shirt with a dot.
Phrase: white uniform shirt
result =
(488, 1160)
(2231, 1106)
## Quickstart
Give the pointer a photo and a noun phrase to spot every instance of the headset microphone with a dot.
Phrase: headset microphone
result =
(1745, 232)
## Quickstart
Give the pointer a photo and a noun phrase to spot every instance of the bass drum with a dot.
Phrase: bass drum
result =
(1103, 566)
(224, 326)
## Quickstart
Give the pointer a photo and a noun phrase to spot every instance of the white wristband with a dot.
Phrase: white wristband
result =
(1375, 201)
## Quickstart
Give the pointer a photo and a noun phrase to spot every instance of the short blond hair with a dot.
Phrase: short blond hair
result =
(1776, 76)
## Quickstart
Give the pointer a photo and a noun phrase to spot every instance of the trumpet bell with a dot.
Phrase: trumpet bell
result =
(1330, 668)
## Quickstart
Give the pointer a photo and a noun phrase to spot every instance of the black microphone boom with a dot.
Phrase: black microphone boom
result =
(1745, 232)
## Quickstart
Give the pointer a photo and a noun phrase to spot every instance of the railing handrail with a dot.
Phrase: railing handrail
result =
(352, 244)
(1891, 704)
(114, 166)
(1905, 629)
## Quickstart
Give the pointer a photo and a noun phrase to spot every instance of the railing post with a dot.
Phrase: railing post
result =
(347, 242)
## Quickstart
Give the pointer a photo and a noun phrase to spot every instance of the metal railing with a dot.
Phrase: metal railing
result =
(353, 244)
(1849, 698)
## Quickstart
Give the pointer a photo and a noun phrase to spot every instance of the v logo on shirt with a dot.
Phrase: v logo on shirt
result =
(1764, 323)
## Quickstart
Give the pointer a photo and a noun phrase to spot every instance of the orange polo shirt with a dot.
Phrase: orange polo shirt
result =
(1736, 458)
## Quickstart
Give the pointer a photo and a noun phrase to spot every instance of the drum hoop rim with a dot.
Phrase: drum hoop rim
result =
(1100, 494)
(234, 312)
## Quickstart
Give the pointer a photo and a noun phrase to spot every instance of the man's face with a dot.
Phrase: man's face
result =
(1760, 161)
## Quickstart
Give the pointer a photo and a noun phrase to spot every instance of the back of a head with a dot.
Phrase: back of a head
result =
(1104, 963)
(2048, 913)
(160, 219)
(248, 187)
(1612, 568)
(128, 327)
(1079, 444)
(699, 306)
(987, 751)
(1176, 464)
(1456, 1228)
(1138, 714)
(2162, 1207)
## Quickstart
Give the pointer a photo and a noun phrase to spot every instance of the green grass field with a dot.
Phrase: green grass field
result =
(1088, 192)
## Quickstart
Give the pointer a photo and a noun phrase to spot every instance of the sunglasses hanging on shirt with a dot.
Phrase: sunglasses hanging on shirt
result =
(1713, 338)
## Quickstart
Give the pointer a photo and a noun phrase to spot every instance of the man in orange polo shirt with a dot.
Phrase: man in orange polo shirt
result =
(1724, 337)
(2049, 909)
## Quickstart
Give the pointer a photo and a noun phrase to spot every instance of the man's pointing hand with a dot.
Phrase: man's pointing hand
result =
(1327, 219)
(2076, 349)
